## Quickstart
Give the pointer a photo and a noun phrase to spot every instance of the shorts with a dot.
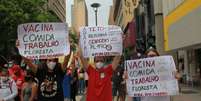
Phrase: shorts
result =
(119, 90)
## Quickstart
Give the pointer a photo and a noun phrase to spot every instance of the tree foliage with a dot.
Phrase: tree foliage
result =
(15, 12)
(73, 40)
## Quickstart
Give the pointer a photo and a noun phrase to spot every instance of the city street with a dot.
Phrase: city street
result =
(100, 50)
(187, 94)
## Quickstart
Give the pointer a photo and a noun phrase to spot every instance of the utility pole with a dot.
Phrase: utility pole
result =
(95, 7)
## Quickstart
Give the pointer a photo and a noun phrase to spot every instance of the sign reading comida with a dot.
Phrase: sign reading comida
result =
(101, 41)
(43, 40)
(152, 77)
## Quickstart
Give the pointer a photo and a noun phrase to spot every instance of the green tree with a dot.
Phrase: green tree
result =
(73, 39)
(15, 12)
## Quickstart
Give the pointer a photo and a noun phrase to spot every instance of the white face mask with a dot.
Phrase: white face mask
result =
(10, 64)
(51, 65)
(99, 65)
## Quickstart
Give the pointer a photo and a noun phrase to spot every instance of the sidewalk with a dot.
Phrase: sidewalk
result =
(81, 97)
(188, 94)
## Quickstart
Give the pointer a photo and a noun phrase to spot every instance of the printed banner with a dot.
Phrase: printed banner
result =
(43, 40)
(152, 77)
(101, 41)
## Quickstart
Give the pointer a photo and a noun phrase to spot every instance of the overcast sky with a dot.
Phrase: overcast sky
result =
(103, 12)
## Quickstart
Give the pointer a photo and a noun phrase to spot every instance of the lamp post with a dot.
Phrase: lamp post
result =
(95, 7)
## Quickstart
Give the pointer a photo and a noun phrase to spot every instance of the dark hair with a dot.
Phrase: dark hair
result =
(3, 61)
(30, 72)
(16, 59)
(3, 69)
(152, 50)
(3, 64)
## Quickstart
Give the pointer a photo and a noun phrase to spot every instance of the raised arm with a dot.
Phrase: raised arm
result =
(83, 60)
(33, 67)
(65, 63)
(27, 61)
(115, 62)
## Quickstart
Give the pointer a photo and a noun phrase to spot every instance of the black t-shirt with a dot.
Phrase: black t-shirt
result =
(117, 75)
(50, 83)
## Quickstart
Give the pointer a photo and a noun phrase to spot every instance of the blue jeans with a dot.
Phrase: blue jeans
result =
(81, 86)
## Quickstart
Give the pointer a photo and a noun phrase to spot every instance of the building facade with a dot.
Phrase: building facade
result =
(178, 32)
(123, 11)
(145, 23)
(79, 15)
(122, 14)
(59, 8)
(172, 26)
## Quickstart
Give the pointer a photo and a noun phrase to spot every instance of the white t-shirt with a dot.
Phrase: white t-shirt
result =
(155, 98)
(8, 90)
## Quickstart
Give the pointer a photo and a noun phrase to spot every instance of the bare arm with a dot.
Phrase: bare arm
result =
(115, 62)
(65, 63)
(83, 60)
(27, 61)
(33, 92)
(34, 67)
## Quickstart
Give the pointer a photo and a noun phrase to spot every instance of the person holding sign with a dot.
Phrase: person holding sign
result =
(50, 75)
(100, 74)
(153, 53)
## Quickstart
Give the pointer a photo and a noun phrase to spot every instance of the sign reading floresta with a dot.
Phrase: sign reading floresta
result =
(43, 40)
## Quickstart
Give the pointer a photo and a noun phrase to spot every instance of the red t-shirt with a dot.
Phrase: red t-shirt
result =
(99, 84)
(18, 80)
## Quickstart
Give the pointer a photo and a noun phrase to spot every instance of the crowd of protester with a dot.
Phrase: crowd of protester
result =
(23, 79)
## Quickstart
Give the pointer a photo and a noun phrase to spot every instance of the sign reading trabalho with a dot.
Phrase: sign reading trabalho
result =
(152, 77)
(43, 40)
(101, 41)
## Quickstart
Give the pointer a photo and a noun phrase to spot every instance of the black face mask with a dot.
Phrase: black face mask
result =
(28, 78)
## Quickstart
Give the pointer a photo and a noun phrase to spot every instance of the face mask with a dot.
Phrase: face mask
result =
(99, 65)
(51, 65)
(10, 64)
(22, 64)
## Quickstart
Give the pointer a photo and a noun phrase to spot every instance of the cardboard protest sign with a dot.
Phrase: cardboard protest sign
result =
(151, 77)
(101, 41)
(43, 40)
